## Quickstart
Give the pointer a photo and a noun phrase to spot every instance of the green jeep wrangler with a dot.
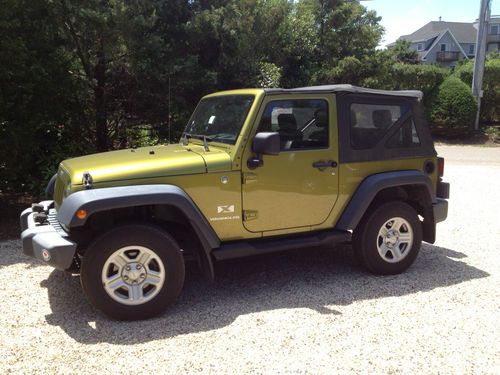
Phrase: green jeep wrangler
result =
(256, 171)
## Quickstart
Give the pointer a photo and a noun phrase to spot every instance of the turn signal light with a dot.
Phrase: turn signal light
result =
(81, 214)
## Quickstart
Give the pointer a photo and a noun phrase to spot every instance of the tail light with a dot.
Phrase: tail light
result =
(441, 167)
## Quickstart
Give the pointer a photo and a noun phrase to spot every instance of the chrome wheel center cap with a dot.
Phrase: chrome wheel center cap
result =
(395, 239)
(392, 238)
(133, 273)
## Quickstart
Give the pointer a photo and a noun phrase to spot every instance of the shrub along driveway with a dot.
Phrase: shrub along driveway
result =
(311, 311)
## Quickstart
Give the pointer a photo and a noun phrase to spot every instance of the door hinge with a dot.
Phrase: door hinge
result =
(248, 178)
(249, 215)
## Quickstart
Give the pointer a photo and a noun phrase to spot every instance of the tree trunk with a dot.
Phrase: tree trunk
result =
(101, 120)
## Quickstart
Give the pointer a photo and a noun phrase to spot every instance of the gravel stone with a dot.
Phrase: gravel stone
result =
(306, 312)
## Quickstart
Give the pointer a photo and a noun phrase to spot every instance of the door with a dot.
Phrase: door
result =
(298, 187)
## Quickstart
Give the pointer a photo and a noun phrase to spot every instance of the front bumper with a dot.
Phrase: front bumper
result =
(48, 241)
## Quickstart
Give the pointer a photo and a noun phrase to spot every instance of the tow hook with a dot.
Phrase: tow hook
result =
(40, 217)
(39, 213)
(37, 207)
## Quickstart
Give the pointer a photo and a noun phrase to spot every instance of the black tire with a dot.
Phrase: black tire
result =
(146, 237)
(366, 240)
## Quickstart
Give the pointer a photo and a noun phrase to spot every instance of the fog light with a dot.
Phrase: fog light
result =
(81, 214)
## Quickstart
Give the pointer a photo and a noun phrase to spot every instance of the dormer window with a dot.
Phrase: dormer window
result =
(420, 46)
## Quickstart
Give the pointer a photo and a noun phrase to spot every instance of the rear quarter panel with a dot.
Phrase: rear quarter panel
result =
(352, 174)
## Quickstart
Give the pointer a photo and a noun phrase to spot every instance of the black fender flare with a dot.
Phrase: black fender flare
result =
(372, 185)
(103, 199)
(49, 190)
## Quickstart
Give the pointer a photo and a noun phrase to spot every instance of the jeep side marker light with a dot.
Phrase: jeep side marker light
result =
(81, 214)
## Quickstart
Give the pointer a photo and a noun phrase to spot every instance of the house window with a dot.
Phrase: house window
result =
(494, 30)
(420, 46)
(445, 47)
(493, 47)
(471, 49)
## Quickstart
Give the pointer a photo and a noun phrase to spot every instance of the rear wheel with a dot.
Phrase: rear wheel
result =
(133, 272)
(388, 238)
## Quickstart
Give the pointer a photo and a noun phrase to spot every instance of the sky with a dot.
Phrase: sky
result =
(400, 17)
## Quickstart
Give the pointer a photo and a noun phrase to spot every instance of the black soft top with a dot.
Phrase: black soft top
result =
(345, 88)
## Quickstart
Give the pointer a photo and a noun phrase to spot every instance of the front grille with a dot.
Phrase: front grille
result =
(52, 219)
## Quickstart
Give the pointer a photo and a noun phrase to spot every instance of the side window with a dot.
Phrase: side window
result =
(405, 137)
(370, 122)
(301, 124)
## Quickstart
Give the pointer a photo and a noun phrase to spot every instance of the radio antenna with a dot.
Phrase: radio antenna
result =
(169, 116)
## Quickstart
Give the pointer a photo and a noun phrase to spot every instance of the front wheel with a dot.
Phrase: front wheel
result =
(388, 238)
(133, 272)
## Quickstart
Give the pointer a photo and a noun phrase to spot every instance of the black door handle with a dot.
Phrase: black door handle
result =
(324, 164)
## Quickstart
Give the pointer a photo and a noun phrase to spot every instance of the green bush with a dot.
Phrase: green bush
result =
(490, 104)
(454, 110)
(398, 76)
(493, 134)
(426, 78)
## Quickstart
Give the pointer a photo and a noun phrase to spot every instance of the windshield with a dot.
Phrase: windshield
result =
(219, 118)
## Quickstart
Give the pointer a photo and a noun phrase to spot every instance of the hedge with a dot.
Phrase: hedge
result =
(453, 112)
(490, 103)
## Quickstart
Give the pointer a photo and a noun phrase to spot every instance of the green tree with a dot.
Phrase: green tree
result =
(403, 53)
(101, 36)
(84, 76)
(347, 35)
(345, 28)
(38, 111)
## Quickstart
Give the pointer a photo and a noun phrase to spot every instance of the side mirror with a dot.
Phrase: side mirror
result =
(266, 144)
(263, 144)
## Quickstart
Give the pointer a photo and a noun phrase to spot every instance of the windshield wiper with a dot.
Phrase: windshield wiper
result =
(198, 136)
(202, 137)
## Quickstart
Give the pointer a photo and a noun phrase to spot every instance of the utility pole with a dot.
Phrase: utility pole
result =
(477, 78)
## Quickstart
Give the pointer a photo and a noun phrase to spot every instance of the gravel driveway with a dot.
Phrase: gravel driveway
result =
(305, 312)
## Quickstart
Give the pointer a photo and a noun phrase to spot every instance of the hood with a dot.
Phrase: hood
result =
(146, 162)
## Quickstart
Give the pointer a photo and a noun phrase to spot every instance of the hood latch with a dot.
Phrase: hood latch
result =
(87, 180)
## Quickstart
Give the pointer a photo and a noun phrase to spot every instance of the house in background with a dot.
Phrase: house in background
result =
(446, 43)
(493, 37)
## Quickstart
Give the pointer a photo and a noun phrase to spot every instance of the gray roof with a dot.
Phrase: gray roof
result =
(462, 31)
(346, 88)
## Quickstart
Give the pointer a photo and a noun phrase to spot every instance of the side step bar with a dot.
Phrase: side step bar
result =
(239, 249)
